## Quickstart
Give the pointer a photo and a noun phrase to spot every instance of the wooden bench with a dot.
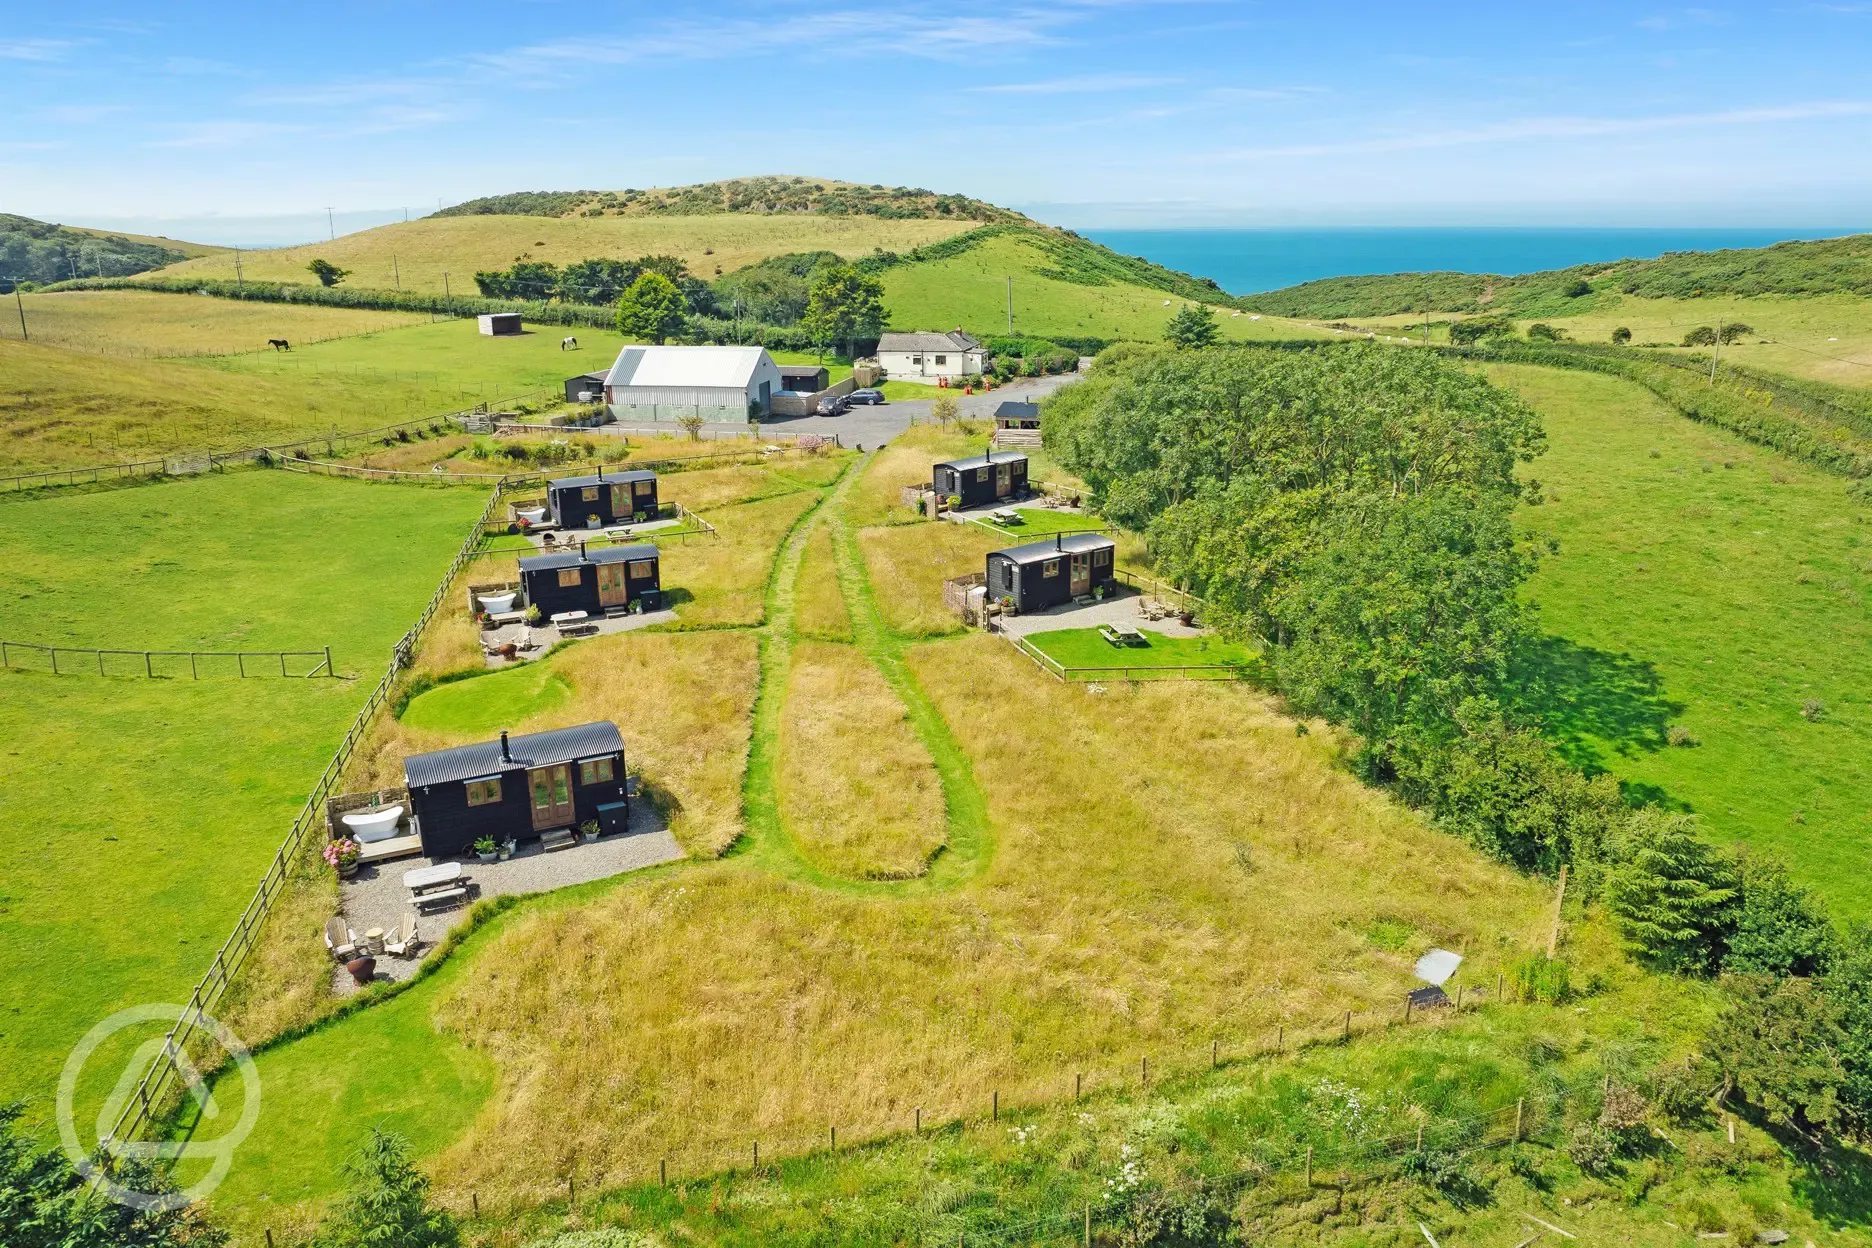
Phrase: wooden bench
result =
(395, 847)
(440, 894)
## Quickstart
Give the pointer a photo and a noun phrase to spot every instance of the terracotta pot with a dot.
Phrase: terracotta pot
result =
(361, 969)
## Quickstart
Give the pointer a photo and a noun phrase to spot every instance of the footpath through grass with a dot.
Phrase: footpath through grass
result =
(141, 812)
(1710, 586)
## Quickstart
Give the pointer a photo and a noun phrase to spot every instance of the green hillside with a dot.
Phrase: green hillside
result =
(1824, 267)
(39, 251)
(758, 196)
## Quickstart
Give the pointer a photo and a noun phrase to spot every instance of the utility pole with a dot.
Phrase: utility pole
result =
(396, 275)
(21, 304)
(330, 225)
(238, 287)
(447, 302)
(1010, 301)
(1716, 351)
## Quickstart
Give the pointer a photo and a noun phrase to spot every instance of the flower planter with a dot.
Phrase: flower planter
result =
(347, 869)
(361, 970)
(487, 857)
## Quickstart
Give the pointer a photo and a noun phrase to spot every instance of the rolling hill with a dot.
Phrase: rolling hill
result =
(40, 251)
(777, 195)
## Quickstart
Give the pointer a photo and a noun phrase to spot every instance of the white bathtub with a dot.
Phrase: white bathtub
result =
(374, 825)
(532, 515)
(493, 604)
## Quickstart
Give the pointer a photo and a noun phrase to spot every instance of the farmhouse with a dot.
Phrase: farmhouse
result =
(722, 385)
(586, 387)
(1045, 574)
(520, 787)
(981, 480)
(954, 354)
(500, 323)
(595, 501)
(607, 579)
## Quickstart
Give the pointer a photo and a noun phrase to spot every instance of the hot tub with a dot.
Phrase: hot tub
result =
(373, 825)
(494, 604)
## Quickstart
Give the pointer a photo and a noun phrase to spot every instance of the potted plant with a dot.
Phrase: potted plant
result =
(507, 849)
(486, 850)
(589, 829)
(533, 614)
(342, 855)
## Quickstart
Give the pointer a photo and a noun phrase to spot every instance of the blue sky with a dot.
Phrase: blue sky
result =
(1090, 114)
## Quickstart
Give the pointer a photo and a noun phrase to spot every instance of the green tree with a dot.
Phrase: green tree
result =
(1468, 332)
(387, 1202)
(1194, 325)
(599, 282)
(1701, 336)
(1621, 336)
(1577, 288)
(843, 306)
(1541, 331)
(1733, 332)
(652, 308)
(1673, 895)
(944, 408)
(1848, 986)
(1780, 927)
(328, 274)
(1779, 1042)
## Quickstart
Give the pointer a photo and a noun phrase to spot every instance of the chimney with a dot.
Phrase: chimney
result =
(581, 548)
(506, 754)
(1059, 540)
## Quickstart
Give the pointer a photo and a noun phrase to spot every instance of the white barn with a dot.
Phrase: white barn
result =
(722, 385)
(954, 354)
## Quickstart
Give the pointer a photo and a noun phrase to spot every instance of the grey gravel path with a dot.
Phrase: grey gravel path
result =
(1123, 609)
(375, 897)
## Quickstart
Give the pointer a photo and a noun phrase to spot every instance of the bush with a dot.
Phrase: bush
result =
(1813, 710)
(1621, 336)
(1538, 977)
(1541, 331)
(1779, 1042)
(1577, 288)
(1593, 1149)
(1780, 927)
(1683, 1087)
(1732, 332)
(1701, 336)
(1672, 895)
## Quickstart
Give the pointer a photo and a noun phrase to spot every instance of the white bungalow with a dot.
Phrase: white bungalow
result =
(722, 385)
(954, 354)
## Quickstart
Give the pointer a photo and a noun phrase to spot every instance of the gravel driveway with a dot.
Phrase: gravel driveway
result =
(872, 427)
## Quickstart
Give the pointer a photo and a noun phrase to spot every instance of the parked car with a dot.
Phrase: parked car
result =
(834, 406)
(866, 396)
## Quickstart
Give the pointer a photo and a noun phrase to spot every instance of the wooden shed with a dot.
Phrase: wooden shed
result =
(608, 579)
(518, 787)
(982, 480)
(499, 323)
(804, 378)
(601, 499)
(586, 387)
(1045, 574)
(1014, 414)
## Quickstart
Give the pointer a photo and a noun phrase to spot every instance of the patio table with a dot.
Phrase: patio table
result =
(419, 878)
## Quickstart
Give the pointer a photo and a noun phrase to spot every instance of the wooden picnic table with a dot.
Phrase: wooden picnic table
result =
(416, 879)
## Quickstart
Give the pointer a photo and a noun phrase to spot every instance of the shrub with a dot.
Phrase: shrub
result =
(387, 1204)
(1813, 710)
(1680, 736)
(1779, 1042)
(1672, 895)
(1780, 927)
(1541, 331)
(1538, 977)
(1701, 336)
(1593, 1148)
(1577, 288)
(1734, 331)
(1621, 336)
(1683, 1087)
(328, 274)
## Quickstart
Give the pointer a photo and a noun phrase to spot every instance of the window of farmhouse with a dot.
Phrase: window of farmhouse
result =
(1100, 558)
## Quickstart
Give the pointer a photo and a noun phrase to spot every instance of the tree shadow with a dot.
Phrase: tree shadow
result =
(1583, 697)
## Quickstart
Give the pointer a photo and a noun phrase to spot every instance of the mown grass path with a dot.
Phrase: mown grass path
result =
(969, 842)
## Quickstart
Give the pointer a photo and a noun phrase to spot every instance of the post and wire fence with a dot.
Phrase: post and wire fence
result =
(164, 1077)
(27, 656)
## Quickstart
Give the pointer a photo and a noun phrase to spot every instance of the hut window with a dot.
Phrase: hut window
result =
(484, 792)
(981, 474)
(595, 771)
(589, 493)
(1101, 557)
(1050, 568)
(569, 578)
(645, 488)
(642, 569)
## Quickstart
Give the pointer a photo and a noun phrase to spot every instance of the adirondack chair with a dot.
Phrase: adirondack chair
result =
(402, 942)
(340, 940)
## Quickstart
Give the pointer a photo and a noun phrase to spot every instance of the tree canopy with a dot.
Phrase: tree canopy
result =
(845, 305)
(328, 274)
(652, 308)
(1193, 326)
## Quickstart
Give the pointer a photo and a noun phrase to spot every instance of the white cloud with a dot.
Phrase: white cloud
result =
(200, 134)
(1066, 86)
(34, 49)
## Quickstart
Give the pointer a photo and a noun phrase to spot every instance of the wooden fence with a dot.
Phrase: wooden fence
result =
(164, 1077)
(81, 660)
(1087, 675)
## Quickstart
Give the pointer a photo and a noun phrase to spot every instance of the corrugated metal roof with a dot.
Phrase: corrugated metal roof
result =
(982, 461)
(598, 376)
(533, 749)
(692, 367)
(1014, 409)
(1066, 544)
(609, 478)
(954, 340)
(598, 554)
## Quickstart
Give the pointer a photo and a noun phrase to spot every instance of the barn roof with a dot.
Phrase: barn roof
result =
(688, 367)
(1014, 409)
(609, 478)
(954, 340)
(532, 749)
(982, 461)
(600, 554)
(1052, 548)
(598, 376)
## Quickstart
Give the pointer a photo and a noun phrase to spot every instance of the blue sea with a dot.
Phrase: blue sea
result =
(1246, 261)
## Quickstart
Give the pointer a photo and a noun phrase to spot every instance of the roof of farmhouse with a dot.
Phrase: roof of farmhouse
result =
(954, 340)
(687, 367)
(532, 749)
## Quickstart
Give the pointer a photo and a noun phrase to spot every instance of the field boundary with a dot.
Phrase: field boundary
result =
(1086, 675)
(141, 1106)
(149, 657)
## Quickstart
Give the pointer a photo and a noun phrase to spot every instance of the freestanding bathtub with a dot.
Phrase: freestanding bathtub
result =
(374, 825)
(532, 515)
(496, 603)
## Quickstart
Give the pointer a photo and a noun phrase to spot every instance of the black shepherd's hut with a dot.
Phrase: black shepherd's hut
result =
(982, 480)
(604, 498)
(518, 787)
(608, 578)
(1045, 574)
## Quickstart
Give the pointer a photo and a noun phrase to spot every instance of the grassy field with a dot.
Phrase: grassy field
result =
(970, 290)
(145, 324)
(415, 254)
(1084, 647)
(144, 811)
(1037, 522)
(910, 563)
(822, 611)
(659, 1014)
(1707, 584)
(861, 793)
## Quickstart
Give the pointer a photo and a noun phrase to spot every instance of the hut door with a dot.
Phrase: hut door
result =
(1081, 582)
(620, 503)
(552, 796)
(611, 590)
(1004, 480)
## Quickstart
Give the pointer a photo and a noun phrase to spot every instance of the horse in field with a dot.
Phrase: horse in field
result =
(279, 344)
(568, 343)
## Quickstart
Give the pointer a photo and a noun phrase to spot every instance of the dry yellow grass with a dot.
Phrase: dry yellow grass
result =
(909, 564)
(700, 489)
(1172, 864)
(424, 249)
(819, 605)
(858, 791)
(723, 581)
(877, 499)
(143, 323)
